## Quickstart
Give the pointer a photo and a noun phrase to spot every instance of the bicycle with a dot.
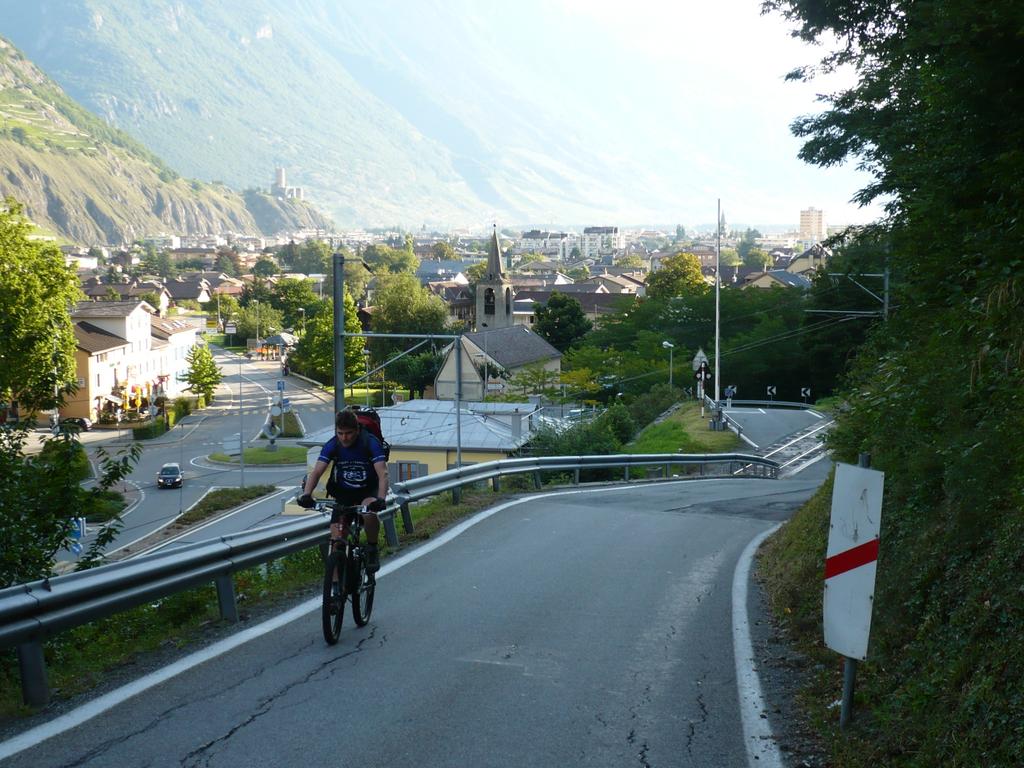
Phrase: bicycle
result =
(345, 576)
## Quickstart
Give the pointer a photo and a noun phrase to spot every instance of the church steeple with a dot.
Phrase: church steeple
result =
(494, 271)
(494, 291)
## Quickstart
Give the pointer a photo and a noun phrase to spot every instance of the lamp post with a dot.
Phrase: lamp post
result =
(670, 347)
(256, 302)
(302, 320)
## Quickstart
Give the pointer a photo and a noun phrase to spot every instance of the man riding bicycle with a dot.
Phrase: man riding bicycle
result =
(360, 477)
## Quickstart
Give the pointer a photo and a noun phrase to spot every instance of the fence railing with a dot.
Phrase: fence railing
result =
(32, 612)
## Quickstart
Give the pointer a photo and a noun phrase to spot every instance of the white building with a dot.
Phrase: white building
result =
(602, 241)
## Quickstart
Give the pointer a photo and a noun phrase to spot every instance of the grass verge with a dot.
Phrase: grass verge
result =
(285, 454)
(684, 431)
(221, 499)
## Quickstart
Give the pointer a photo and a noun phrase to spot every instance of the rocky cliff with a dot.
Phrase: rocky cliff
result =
(86, 182)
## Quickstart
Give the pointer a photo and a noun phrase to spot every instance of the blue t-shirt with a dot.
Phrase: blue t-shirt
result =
(353, 467)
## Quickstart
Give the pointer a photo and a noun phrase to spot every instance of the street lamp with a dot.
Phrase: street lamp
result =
(670, 347)
(302, 320)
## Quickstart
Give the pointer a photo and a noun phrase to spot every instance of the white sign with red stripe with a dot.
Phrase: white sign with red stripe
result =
(852, 558)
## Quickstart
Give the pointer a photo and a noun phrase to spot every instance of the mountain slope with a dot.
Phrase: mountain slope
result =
(90, 183)
(386, 113)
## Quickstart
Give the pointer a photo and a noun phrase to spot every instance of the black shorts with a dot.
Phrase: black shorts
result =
(348, 497)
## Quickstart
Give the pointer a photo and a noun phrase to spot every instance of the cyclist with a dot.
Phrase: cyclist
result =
(360, 477)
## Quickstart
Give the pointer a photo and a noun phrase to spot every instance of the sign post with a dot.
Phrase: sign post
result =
(850, 565)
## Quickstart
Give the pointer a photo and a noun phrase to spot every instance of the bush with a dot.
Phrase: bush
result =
(182, 408)
(619, 421)
(650, 405)
(79, 468)
(151, 430)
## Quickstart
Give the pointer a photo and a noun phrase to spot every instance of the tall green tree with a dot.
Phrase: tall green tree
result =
(561, 321)
(203, 376)
(291, 295)
(37, 342)
(402, 305)
(679, 275)
(935, 117)
(313, 257)
(259, 318)
(314, 354)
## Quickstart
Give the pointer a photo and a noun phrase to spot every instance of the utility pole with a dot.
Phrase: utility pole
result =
(339, 332)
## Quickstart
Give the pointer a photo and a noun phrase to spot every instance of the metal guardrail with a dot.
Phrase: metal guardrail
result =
(32, 612)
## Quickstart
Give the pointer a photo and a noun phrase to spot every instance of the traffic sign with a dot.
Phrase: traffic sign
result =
(852, 559)
(699, 359)
(280, 385)
(771, 390)
(805, 392)
(230, 328)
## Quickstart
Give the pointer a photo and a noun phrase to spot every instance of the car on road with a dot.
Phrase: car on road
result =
(76, 422)
(170, 476)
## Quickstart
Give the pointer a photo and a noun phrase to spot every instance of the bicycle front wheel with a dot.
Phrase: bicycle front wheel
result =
(362, 595)
(333, 610)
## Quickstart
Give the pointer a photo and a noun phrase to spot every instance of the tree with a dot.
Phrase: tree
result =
(632, 260)
(259, 317)
(290, 295)
(264, 267)
(37, 342)
(313, 257)
(203, 376)
(443, 251)
(402, 305)
(561, 321)
(382, 258)
(756, 257)
(314, 354)
(416, 371)
(679, 275)
(228, 261)
(680, 232)
(37, 493)
(934, 393)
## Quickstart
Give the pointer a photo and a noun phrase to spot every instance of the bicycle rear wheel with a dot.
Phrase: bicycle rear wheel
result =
(362, 595)
(332, 611)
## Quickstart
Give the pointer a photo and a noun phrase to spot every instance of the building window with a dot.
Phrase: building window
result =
(489, 301)
(407, 470)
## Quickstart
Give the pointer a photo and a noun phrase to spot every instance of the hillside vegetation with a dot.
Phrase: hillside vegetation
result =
(86, 182)
(936, 393)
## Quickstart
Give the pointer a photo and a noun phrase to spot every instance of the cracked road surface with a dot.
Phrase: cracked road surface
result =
(587, 629)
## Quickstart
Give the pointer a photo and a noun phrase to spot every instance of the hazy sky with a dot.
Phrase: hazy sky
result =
(693, 93)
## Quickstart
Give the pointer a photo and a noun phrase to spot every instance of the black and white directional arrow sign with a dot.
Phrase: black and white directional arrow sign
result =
(805, 391)
(771, 390)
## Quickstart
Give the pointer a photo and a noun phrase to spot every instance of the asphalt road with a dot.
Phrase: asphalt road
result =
(202, 434)
(581, 628)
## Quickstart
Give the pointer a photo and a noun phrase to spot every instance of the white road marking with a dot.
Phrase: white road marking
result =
(98, 706)
(762, 749)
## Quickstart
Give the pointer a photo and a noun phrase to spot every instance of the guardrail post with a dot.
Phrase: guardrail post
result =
(536, 480)
(627, 473)
(576, 476)
(406, 517)
(35, 688)
(456, 495)
(390, 530)
(226, 597)
(496, 483)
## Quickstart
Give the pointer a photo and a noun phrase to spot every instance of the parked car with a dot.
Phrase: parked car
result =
(77, 422)
(170, 476)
